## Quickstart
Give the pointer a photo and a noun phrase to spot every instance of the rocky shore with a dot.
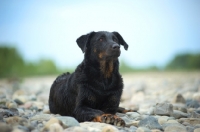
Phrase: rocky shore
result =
(165, 102)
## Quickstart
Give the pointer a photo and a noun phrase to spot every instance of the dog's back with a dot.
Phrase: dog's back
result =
(58, 94)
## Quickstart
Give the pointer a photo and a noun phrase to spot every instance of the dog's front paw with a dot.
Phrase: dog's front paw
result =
(110, 119)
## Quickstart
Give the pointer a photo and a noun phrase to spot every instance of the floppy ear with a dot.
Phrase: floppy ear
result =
(83, 40)
(121, 40)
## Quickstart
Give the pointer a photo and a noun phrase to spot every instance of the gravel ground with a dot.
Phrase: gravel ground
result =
(165, 101)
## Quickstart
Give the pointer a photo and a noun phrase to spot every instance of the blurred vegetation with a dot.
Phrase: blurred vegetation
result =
(12, 64)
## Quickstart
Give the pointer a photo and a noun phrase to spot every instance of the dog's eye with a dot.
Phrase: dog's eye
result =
(101, 39)
(114, 39)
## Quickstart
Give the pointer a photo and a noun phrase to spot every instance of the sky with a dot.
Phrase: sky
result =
(155, 30)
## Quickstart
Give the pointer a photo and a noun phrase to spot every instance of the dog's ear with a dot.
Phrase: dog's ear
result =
(121, 40)
(83, 40)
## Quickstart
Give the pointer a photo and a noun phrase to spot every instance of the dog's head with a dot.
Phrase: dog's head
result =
(103, 44)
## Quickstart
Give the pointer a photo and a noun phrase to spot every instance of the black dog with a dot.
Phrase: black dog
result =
(93, 91)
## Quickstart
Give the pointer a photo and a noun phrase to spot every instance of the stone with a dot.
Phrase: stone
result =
(162, 119)
(133, 128)
(151, 111)
(178, 114)
(68, 121)
(78, 129)
(2, 95)
(143, 129)
(127, 120)
(15, 120)
(179, 99)
(150, 123)
(156, 130)
(110, 128)
(163, 109)
(6, 112)
(53, 120)
(194, 114)
(172, 121)
(20, 95)
(192, 121)
(197, 130)
(19, 102)
(190, 129)
(5, 128)
(175, 128)
(180, 107)
(11, 104)
(133, 115)
(55, 128)
(171, 124)
(41, 117)
(192, 104)
(196, 96)
(38, 104)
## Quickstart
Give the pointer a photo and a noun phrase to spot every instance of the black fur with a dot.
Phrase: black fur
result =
(96, 86)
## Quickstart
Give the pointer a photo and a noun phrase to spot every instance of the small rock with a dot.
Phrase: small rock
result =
(192, 121)
(15, 120)
(77, 129)
(171, 124)
(143, 129)
(180, 107)
(110, 128)
(6, 112)
(68, 121)
(133, 115)
(151, 111)
(55, 128)
(192, 104)
(156, 130)
(5, 128)
(150, 122)
(172, 121)
(2, 95)
(50, 122)
(20, 95)
(196, 96)
(133, 128)
(178, 114)
(190, 129)
(41, 117)
(179, 99)
(19, 102)
(162, 119)
(11, 104)
(175, 128)
(38, 104)
(197, 130)
(163, 109)
(194, 114)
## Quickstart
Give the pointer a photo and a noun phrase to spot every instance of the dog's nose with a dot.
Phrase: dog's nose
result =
(115, 46)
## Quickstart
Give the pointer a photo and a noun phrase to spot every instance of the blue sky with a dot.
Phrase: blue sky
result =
(155, 30)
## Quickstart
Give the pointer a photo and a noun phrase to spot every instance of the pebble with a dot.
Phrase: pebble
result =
(162, 103)
(192, 121)
(178, 114)
(179, 99)
(163, 109)
(68, 121)
(150, 122)
(175, 128)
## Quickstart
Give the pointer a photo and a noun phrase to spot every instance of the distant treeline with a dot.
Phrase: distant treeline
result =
(12, 64)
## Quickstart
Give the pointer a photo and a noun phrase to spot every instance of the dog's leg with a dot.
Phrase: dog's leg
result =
(110, 119)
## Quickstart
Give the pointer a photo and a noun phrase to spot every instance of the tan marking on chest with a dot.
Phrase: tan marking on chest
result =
(106, 68)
